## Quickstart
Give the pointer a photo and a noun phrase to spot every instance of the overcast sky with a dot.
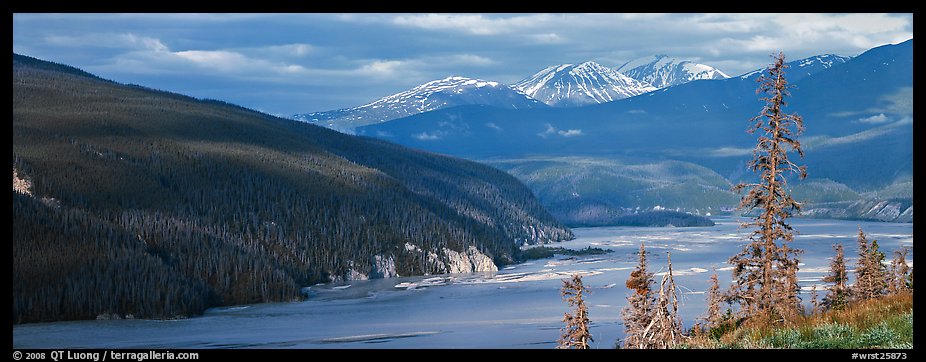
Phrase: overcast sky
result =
(295, 63)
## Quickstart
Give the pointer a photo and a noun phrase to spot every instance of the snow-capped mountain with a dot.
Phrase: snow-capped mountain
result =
(662, 71)
(803, 67)
(572, 85)
(437, 94)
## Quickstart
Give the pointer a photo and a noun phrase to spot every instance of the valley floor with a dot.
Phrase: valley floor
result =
(517, 307)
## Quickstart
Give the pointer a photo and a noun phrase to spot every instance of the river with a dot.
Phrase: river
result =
(517, 307)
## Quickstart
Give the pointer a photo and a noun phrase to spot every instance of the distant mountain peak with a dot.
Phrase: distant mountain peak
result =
(663, 71)
(806, 66)
(569, 85)
(823, 61)
(451, 91)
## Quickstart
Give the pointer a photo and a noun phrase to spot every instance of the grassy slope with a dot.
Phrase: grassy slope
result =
(885, 322)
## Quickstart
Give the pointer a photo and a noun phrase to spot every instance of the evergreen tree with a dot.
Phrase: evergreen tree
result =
(576, 333)
(714, 317)
(765, 271)
(900, 272)
(870, 274)
(638, 313)
(838, 294)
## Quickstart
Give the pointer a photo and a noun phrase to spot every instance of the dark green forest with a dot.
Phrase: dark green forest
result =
(158, 205)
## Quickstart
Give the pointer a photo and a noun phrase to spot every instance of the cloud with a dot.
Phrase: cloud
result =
(466, 59)
(475, 24)
(494, 126)
(826, 141)
(728, 152)
(900, 102)
(344, 60)
(217, 59)
(879, 118)
(106, 40)
(425, 136)
(550, 130)
(140, 54)
(216, 62)
(547, 38)
(291, 50)
(801, 35)
(387, 68)
(728, 23)
(270, 64)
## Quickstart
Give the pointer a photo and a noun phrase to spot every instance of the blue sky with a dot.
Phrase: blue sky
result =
(295, 63)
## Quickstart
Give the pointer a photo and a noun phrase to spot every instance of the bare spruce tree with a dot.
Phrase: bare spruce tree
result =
(764, 272)
(576, 333)
(714, 316)
(638, 313)
(900, 272)
(665, 329)
(870, 274)
(838, 294)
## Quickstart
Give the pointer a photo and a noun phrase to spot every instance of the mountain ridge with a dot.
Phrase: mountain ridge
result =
(207, 204)
(663, 71)
(432, 95)
(572, 85)
(859, 110)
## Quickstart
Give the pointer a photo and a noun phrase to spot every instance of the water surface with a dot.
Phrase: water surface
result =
(517, 307)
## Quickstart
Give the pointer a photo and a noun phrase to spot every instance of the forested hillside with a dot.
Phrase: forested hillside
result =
(132, 201)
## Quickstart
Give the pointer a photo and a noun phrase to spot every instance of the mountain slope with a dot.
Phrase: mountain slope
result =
(437, 94)
(131, 201)
(662, 71)
(571, 85)
(585, 191)
(801, 68)
(860, 110)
